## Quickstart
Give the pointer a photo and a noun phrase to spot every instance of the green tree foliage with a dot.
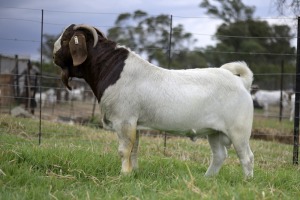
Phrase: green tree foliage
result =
(241, 37)
(48, 42)
(149, 35)
(228, 10)
(286, 6)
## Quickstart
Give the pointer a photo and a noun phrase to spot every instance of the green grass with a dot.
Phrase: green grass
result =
(75, 162)
(284, 126)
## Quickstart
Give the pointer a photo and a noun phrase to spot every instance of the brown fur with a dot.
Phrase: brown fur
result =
(102, 67)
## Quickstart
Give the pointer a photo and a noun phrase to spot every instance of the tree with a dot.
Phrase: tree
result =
(48, 66)
(48, 46)
(228, 11)
(149, 35)
(254, 41)
(284, 6)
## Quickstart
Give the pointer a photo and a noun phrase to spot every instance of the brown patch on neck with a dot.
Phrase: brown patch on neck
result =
(105, 66)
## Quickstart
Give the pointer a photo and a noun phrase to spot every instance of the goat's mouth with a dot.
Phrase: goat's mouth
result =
(65, 78)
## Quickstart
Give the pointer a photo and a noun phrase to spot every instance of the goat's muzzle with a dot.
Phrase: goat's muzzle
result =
(65, 76)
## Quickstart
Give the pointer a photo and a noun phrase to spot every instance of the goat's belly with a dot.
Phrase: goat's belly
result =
(184, 124)
(181, 119)
(184, 132)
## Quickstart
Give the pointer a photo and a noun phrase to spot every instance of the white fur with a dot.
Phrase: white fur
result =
(211, 100)
(77, 94)
(237, 68)
(265, 98)
(47, 98)
(57, 45)
(74, 94)
(292, 107)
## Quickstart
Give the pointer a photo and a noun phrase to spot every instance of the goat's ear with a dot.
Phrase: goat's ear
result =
(78, 49)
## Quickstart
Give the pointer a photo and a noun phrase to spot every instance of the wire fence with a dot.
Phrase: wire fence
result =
(27, 86)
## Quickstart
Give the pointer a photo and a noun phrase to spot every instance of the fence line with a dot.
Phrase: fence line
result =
(114, 13)
(19, 39)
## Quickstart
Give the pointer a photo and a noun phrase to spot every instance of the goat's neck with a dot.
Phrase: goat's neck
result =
(105, 67)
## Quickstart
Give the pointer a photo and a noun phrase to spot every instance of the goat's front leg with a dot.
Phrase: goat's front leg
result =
(127, 138)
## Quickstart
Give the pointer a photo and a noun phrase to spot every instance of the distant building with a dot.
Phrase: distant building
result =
(18, 81)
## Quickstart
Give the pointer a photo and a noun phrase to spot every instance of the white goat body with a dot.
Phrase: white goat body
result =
(46, 98)
(134, 93)
(74, 95)
(77, 94)
(176, 100)
(265, 98)
(41, 98)
(203, 101)
(293, 96)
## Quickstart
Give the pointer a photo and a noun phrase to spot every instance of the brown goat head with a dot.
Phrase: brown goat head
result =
(71, 50)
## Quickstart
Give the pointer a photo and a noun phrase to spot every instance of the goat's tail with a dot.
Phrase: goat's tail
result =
(242, 70)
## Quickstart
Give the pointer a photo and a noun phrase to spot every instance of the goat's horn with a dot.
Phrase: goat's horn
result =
(89, 28)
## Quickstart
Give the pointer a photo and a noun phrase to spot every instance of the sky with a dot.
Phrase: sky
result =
(20, 20)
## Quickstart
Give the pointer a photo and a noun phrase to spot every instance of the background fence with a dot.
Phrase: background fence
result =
(24, 85)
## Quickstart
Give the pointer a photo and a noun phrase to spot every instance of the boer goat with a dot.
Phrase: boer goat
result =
(266, 98)
(46, 98)
(135, 94)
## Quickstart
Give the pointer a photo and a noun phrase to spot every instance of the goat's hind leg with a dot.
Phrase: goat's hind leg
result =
(246, 158)
(218, 142)
(245, 155)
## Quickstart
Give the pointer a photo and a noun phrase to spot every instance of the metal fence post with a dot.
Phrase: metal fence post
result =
(41, 74)
(17, 76)
(297, 97)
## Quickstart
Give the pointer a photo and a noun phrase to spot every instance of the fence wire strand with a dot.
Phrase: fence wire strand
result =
(53, 108)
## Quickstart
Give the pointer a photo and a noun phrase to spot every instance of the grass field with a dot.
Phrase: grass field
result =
(76, 162)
